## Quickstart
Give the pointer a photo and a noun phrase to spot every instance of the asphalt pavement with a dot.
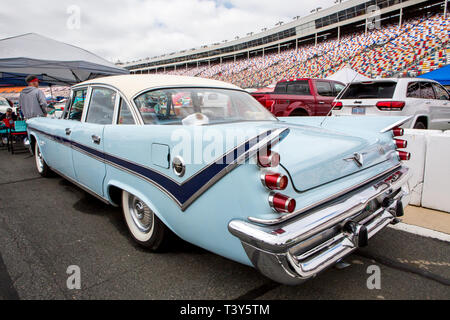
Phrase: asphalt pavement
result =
(48, 225)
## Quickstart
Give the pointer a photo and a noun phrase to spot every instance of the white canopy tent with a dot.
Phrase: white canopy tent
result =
(347, 75)
(54, 62)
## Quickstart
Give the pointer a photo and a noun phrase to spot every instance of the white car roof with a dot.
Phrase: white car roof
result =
(130, 85)
(395, 80)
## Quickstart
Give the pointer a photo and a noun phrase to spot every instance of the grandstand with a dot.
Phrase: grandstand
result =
(413, 38)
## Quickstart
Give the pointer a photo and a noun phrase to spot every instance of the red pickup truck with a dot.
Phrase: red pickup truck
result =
(301, 97)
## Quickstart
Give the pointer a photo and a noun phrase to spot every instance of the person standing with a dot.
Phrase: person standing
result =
(32, 101)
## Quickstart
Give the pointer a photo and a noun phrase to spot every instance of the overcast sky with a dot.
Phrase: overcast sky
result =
(134, 29)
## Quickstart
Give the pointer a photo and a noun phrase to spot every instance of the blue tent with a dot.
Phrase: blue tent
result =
(441, 75)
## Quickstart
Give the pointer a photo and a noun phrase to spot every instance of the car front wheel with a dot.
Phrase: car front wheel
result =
(145, 227)
(41, 165)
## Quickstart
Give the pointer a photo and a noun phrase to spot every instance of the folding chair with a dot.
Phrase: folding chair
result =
(4, 134)
(18, 130)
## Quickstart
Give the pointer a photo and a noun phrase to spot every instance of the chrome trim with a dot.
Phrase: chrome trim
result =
(334, 196)
(136, 115)
(271, 139)
(294, 251)
(84, 188)
(397, 124)
(179, 166)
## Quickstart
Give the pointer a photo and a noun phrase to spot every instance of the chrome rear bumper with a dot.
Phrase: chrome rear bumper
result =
(300, 248)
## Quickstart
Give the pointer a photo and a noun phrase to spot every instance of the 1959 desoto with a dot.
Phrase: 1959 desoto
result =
(204, 160)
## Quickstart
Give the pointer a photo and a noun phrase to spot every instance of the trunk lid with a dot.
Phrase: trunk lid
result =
(322, 156)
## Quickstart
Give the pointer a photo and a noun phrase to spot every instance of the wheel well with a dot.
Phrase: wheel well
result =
(299, 113)
(115, 194)
(424, 120)
(32, 143)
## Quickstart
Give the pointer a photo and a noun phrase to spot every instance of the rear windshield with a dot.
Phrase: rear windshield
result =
(370, 90)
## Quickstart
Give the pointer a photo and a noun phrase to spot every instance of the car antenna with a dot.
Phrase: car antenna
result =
(332, 107)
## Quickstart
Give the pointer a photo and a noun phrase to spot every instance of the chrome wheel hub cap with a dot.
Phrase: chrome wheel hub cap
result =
(141, 214)
(40, 160)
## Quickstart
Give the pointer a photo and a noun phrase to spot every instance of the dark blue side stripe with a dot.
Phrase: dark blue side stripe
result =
(181, 192)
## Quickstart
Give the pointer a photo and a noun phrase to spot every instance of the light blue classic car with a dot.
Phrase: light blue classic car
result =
(204, 160)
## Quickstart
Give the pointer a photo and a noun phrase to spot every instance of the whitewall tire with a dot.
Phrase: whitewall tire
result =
(145, 227)
(41, 165)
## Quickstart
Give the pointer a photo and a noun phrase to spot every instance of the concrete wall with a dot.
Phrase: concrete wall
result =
(430, 168)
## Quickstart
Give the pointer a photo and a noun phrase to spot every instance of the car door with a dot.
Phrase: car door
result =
(325, 97)
(61, 152)
(87, 138)
(430, 104)
(442, 120)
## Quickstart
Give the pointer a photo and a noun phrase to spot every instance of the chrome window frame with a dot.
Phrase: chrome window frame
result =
(114, 115)
(135, 114)
(133, 98)
(72, 91)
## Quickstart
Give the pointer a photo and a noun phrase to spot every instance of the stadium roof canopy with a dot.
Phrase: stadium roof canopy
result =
(304, 28)
(52, 61)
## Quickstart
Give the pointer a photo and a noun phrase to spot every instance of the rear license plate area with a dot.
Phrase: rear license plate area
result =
(359, 110)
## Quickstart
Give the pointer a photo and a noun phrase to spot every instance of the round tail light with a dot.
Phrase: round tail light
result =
(398, 132)
(401, 144)
(404, 156)
(281, 203)
(274, 181)
(268, 159)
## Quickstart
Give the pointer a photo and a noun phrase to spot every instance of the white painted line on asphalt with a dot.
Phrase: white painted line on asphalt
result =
(424, 232)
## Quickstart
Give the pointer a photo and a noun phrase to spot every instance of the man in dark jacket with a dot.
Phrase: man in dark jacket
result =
(32, 100)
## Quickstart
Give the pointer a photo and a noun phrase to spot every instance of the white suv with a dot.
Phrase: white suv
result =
(426, 100)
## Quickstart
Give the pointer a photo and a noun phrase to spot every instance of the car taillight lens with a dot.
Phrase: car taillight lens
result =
(274, 181)
(269, 104)
(268, 159)
(398, 132)
(401, 144)
(281, 203)
(337, 105)
(391, 105)
(404, 156)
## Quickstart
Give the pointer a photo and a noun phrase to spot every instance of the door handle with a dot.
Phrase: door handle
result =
(68, 131)
(321, 102)
(95, 139)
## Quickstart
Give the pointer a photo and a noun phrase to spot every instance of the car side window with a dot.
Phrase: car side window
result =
(77, 105)
(280, 88)
(338, 87)
(101, 106)
(324, 89)
(413, 90)
(441, 93)
(125, 117)
(299, 88)
(426, 90)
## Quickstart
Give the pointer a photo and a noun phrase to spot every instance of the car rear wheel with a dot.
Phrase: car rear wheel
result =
(41, 165)
(420, 125)
(299, 113)
(145, 227)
